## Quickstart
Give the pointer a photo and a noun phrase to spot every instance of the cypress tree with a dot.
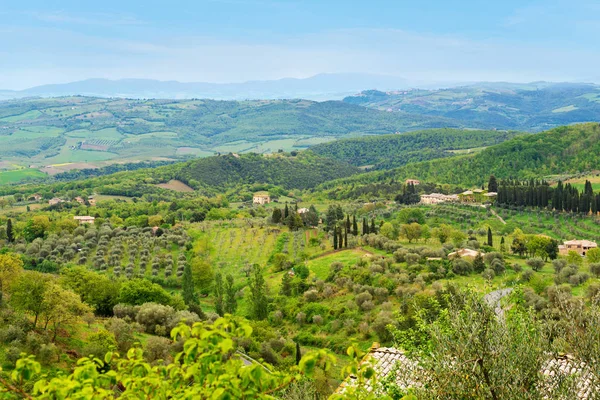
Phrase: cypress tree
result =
(373, 229)
(335, 239)
(347, 222)
(276, 216)
(188, 288)
(258, 298)
(492, 184)
(298, 353)
(340, 239)
(354, 226)
(502, 245)
(490, 239)
(230, 300)
(286, 211)
(346, 238)
(365, 226)
(286, 284)
(219, 294)
(9, 231)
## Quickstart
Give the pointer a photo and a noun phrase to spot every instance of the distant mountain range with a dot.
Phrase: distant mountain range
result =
(318, 87)
(532, 106)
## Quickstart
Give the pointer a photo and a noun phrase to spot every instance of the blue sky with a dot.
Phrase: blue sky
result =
(45, 41)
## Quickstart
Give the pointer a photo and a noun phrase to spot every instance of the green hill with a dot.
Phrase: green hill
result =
(99, 131)
(390, 151)
(528, 107)
(300, 172)
(563, 150)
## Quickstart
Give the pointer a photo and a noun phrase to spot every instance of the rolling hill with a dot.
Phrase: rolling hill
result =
(528, 107)
(390, 151)
(99, 131)
(564, 150)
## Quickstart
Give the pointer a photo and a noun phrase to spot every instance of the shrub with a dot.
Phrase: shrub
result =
(595, 269)
(527, 275)
(367, 305)
(152, 315)
(157, 348)
(536, 263)
(488, 274)
(517, 267)
(317, 319)
(558, 264)
(461, 267)
(363, 297)
(412, 259)
(311, 296)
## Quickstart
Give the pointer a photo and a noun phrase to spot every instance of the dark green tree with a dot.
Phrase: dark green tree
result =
(286, 211)
(340, 238)
(230, 293)
(276, 216)
(365, 226)
(259, 303)
(478, 263)
(490, 238)
(286, 284)
(346, 238)
(218, 292)
(188, 288)
(335, 239)
(492, 184)
(373, 228)
(354, 226)
(9, 231)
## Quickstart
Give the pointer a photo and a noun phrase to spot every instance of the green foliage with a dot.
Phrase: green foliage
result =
(204, 369)
(140, 291)
(391, 151)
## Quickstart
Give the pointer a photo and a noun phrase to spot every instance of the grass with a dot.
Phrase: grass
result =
(320, 265)
(20, 175)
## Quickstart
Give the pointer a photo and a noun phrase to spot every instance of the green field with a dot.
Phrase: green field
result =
(20, 175)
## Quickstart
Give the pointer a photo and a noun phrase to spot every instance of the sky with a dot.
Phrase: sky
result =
(46, 41)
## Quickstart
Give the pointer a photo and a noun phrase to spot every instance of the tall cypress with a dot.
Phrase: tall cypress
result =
(347, 222)
(219, 294)
(340, 239)
(286, 211)
(230, 300)
(346, 238)
(490, 239)
(373, 229)
(365, 226)
(188, 288)
(9, 231)
(354, 226)
(335, 239)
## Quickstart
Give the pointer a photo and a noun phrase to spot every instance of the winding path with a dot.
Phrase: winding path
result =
(493, 299)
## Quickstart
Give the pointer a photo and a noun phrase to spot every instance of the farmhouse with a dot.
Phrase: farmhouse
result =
(579, 246)
(412, 182)
(55, 200)
(303, 210)
(36, 197)
(435, 198)
(80, 200)
(261, 198)
(84, 219)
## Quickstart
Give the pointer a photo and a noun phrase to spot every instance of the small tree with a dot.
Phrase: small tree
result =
(188, 288)
(9, 231)
(490, 238)
(536, 263)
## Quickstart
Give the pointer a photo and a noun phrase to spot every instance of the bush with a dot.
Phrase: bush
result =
(527, 275)
(152, 315)
(517, 267)
(126, 311)
(412, 259)
(12, 333)
(363, 297)
(595, 269)
(488, 274)
(461, 267)
(536, 263)
(310, 296)
(558, 265)
(157, 348)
